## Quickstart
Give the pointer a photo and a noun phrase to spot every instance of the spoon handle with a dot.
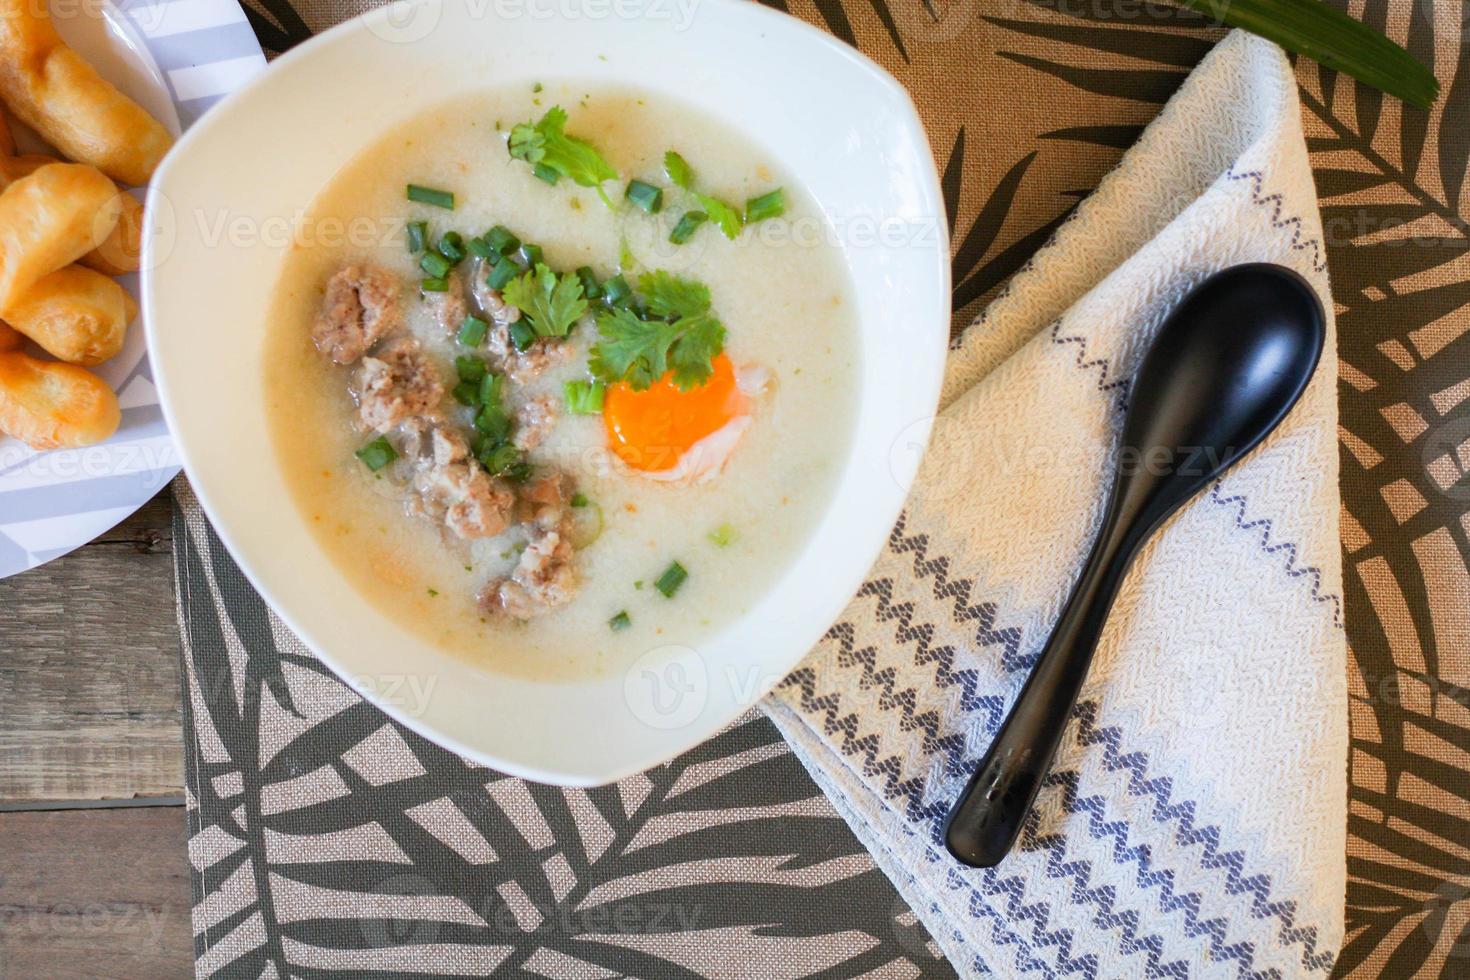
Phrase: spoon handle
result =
(986, 819)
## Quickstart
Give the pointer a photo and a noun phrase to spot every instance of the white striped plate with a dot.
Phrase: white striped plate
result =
(177, 58)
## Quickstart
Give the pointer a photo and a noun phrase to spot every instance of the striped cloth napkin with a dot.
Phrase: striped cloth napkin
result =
(1194, 822)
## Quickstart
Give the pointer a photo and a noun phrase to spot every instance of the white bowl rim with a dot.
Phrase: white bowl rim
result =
(918, 433)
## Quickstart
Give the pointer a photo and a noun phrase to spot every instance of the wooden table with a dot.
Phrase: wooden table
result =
(94, 877)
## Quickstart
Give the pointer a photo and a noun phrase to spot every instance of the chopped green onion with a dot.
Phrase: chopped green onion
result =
(501, 459)
(436, 284)
(481, 249)
(771, 205)
(472, 331)
(638, 584)
(620, 622)
(591, 288)
(436, 265)
(579, 499)
(428, 195)
(418, 236)
(470, 369)
(521, 335)
(584, 397)
(724, 536)
(529, 255)
(668, 583)
(501, 272)
(645, 196)
(536, 87)
(467, 393)
(615, 291)
(548, 174)
(376, 454)
(491, 388)
(687, 225)
(451, 246)
(493, 422)
(502, 240)
(519, 473)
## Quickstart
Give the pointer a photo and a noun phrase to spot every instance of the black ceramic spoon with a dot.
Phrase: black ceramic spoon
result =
(1227, 365)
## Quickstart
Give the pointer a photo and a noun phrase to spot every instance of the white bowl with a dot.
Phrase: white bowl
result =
(828, 116)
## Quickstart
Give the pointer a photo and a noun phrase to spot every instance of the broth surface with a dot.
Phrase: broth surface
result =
(781, 290)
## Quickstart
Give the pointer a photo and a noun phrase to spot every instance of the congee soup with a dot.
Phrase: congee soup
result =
(584, 391)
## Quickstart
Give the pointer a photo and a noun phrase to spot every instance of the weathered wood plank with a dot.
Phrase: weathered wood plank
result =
(89, 674)
(95, 893)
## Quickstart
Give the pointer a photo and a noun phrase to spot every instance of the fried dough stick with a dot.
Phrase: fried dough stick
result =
(49, 220)
(7, 139)
(52, 89)
(48, 405)
(76, 314)
(122, 250)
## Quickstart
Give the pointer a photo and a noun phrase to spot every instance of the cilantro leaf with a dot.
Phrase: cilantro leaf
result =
(678, 170)
(670, 295)
(701, 340)
(552, 304)
(545, 144)
(631, 350)
(728, 218)
(639, 352)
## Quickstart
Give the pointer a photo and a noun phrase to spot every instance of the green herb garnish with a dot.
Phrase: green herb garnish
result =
(640, 351)
(769, 205)
(451, 246)
(434, 284)
(591, 288)
(620, 622)
(418, 236)
(724, 536)
(467, 393)
(579, 499)
(645, 196)
(552, 303)
(689, 222)
(377, 454)
(429, 195)
(472, 331)
(470, 369)
(481, 249)
(501, 272)
(678, 170)
(545, 145)
(436, 265)
(584, 397)
(616, 291)
(668, 583)
(726, 217)
(501, 239)
(521, 335)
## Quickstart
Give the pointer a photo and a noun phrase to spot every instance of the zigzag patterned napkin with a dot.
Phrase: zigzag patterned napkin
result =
(1194, 822)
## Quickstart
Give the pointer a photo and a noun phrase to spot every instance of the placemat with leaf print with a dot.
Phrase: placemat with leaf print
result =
(1028, 103)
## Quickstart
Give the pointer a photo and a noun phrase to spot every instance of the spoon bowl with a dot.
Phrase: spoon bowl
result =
(1225, 368)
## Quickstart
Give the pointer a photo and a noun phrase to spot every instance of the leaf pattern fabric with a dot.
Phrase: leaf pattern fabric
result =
(1028, 103)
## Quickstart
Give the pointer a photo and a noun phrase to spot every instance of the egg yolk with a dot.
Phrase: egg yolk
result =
(652, 429)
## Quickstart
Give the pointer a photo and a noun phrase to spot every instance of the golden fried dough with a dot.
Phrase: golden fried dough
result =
(52, 89)
(75, 314)
(9, 339)
(48, 405)
(50, 219)
(7, 139)
(122, 250)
